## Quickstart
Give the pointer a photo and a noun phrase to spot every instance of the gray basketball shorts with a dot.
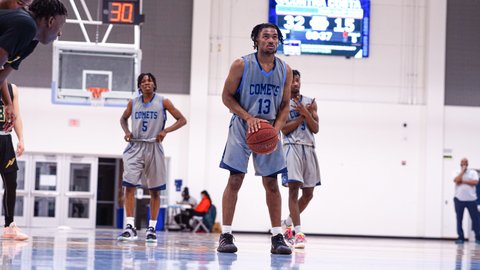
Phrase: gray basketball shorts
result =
(144, 165)
(236, 154)
(302, 165)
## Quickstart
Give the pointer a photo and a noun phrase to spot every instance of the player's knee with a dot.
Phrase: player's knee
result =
(130, 190)
(308, 196)
(154, 194)
(271, 187)
(235, 182)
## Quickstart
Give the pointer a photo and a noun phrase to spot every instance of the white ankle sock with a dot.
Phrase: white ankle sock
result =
(298, 229)
(289, 221)
(276, 230)
(227, 229)
(152, 223)
(131, 221)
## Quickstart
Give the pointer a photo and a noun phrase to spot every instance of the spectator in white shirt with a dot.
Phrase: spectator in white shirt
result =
(466, 197)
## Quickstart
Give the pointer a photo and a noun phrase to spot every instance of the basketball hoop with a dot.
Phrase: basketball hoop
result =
(96, 98)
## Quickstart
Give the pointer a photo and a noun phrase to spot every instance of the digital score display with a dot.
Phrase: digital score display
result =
(325, 27)
(122, 12)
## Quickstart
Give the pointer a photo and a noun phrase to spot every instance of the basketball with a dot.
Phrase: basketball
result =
(264, 140)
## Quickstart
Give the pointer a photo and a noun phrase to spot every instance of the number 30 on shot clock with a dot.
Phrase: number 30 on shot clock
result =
(122, 12)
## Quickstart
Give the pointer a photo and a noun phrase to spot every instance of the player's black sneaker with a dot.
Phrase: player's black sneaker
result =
(225, 243)
(279, 246)
(150, 235)
(129, 234)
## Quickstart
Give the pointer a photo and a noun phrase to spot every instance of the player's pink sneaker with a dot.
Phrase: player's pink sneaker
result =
(13, 232)
(299, 240)
(288, 236)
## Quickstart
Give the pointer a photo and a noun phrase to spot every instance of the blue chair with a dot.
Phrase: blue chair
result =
(206, 221)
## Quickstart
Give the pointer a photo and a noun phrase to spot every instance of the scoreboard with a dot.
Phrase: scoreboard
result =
(325, 27)
(122, 12)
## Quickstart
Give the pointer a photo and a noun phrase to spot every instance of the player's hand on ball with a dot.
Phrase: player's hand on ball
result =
(253, 124)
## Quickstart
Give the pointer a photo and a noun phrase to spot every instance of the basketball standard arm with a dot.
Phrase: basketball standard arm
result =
(282, 114)
(124, 121)
(228, 96)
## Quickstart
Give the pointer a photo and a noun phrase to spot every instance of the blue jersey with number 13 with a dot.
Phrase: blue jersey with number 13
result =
(260, 93)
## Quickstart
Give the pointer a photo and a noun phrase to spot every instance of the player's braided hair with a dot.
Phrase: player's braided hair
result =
(150, 75)
(258, 28)
(47, 8)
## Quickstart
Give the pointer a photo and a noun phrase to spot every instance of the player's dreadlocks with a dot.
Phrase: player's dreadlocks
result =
(258, 28)
(47, 8)
(150, 75)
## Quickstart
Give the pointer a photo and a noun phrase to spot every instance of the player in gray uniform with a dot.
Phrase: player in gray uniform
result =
(144, 158)
(254, 92)
(303, 170)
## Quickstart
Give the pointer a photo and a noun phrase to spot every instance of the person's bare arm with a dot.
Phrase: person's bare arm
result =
(290, 126)
(7, 101)
(18, 127)
(312, 117)
(228, 96)
(124, 121)
(282, 114)
(181, 120)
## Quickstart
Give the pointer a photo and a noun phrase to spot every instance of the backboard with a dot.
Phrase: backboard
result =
(79, 66)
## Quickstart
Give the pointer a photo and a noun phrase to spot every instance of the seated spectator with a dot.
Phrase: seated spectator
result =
(200, 210)
(187, 199)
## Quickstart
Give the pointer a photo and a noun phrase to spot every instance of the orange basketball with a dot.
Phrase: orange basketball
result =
(264, 140)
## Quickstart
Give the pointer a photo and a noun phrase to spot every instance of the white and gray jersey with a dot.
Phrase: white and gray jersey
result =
(302, 134)
(260, 93)
(148, 119)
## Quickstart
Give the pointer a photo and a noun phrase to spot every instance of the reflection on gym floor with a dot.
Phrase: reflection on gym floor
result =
(98, 249)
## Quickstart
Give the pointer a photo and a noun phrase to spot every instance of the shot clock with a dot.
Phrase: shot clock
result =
(325, 27)
(122, 12)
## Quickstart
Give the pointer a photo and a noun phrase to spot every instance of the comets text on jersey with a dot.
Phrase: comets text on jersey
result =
(146, 115)
(264, 89)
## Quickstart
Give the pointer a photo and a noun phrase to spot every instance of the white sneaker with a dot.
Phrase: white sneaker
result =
(13, 232)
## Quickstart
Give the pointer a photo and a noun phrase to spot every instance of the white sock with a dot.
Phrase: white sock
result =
(152, 223)
(288, 221)
(227, 229)
(131, 221)
(276, 230)
(298, 229)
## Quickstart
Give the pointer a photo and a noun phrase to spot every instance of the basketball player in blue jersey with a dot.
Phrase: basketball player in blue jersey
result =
(9, 168)
(303, 171)
(144, 158)
(256, 90)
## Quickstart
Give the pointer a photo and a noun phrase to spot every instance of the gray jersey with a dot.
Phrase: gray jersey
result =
(144, 159)
(148, 119)
(260, 93)
(302, 134)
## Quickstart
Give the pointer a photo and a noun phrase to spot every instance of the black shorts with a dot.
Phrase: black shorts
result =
(8, 159)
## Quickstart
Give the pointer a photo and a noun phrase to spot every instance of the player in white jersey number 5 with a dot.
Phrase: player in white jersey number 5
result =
(144, 159)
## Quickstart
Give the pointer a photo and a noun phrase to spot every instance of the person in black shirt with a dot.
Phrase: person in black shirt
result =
(20, 32)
